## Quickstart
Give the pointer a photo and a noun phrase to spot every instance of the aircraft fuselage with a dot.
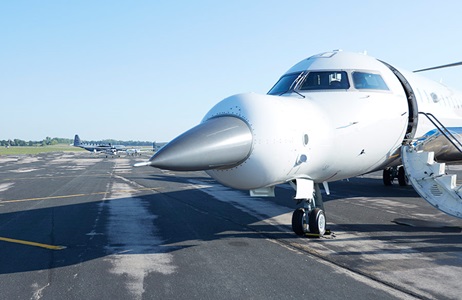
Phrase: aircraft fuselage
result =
(332, 116)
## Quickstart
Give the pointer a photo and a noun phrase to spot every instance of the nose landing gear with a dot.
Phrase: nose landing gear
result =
(310, 218)
(309, 221)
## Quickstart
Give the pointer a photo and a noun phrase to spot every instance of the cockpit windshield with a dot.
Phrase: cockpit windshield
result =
(364, 80)
(326, 80)
(285, 84)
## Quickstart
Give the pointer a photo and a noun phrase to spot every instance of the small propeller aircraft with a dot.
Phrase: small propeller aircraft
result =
(112, 150)
(332, 116)
(107, 149)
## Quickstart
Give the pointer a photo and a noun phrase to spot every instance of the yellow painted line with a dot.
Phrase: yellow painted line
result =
(51, 247)
(50, 197)
(63, 176)
(78, 195)
(55, 176)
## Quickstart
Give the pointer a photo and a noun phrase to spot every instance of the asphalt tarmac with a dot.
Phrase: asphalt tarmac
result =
(82, 226)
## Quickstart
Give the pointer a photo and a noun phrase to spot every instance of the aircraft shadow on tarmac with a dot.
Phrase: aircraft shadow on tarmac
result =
(183, 219)
(368, 187)
(178, 179)
(423, 239)
(355, 187)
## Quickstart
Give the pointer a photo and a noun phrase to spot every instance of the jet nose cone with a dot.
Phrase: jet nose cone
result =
(222, 142)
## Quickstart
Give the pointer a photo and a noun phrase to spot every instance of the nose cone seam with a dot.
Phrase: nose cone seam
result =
(218, 143)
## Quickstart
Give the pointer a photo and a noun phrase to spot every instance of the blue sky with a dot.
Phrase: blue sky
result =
(150, 70)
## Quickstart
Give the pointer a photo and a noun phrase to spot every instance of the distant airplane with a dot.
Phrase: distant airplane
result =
(332, 116)
(110, 149)
(107, 149)
(139, 151)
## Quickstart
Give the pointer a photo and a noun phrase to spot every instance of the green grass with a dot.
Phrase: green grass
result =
(38, 149)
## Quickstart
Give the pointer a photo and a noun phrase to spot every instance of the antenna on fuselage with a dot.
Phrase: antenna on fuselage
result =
(440, 67)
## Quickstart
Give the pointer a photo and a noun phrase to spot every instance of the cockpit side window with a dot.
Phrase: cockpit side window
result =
(364, 80)
(326, 80)
(285, 84)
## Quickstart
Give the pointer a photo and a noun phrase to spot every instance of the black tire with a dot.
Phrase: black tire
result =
(402, 179)
(387, 177)
(317, 221)
(298, 221)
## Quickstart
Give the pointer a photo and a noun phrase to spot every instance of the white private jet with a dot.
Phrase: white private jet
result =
(332, 116)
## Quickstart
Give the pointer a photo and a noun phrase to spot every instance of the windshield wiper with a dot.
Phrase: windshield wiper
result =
(294, 84)
(291, 90)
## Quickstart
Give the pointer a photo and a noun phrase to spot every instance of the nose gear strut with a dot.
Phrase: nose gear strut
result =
(310, 218)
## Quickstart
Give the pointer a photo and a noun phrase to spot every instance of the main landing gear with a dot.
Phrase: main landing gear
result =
(389, 174)
(310, 218)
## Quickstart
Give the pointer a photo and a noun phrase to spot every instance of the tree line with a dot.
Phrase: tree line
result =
(45, 142)
(54, 141)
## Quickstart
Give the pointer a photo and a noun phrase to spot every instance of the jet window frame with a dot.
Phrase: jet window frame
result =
(344, 82)
(298, 77)
(381, 87)
(301, 77)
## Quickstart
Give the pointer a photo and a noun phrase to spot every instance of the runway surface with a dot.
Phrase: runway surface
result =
(80, 226)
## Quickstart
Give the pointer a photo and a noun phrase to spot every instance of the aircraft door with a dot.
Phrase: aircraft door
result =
(411, 100)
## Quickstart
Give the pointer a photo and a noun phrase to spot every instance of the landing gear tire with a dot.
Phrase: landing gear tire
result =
(387, 177)
(299, 225)
(402, 179)
(317, 221)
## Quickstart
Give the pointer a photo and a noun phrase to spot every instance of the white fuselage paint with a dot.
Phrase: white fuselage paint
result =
(328, 135)
(436, 98)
